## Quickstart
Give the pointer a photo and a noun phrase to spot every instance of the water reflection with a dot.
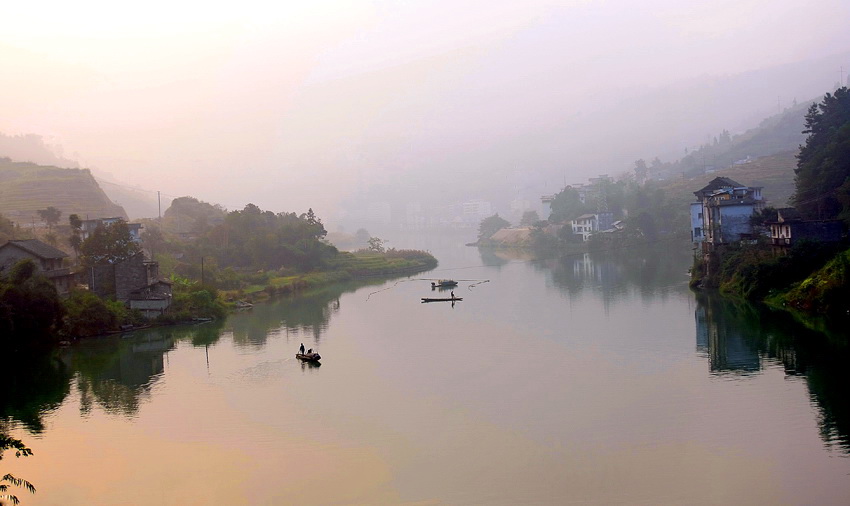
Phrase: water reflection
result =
(742, 339)
(307, 314)
(652, 271)
(117, 373)
(300, 315)
(32, 385)
(491, 258)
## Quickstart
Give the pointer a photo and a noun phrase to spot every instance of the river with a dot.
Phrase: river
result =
(583, 380)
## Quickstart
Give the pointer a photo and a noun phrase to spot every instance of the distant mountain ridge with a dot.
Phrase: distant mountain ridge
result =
(27, 187)
(780, 133)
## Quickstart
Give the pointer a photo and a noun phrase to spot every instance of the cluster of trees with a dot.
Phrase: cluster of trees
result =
(9, 230)
(823, 164)
(30, 308)
(230, 250)
(107, 244)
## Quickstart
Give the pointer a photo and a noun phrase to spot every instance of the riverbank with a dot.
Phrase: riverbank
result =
(808, 280)
(346, 267)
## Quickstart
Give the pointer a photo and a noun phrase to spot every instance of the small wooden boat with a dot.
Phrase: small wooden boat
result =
(308, 357)
(444, 283)
(441, 299)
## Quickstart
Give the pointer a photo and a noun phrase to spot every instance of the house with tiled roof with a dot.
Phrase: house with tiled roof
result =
(789, 228)
(47, 259)
(722, 212)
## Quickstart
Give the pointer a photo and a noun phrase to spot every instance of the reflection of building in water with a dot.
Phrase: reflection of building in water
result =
(725, 343)
(583, 267)
(702, 329)
(122, 375)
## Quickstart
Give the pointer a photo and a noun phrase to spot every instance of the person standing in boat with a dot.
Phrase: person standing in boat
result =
(453, 295)
(301, 349)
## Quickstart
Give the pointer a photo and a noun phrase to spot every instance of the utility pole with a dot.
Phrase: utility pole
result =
(202, 271)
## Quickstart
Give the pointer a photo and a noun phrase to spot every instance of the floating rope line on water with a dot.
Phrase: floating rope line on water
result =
(389, 287)
(473, 285)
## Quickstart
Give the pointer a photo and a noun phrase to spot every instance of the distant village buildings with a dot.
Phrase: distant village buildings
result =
(88, 227)
(134, 282)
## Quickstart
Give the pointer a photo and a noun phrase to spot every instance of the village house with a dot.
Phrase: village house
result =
(790, 228)
(135, 282)
(152, 300)
(722, 213)
(588, 224)
(47, 259)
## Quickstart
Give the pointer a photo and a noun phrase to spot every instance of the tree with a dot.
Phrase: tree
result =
(491, 225)
(109, 244)
(75, 239)
(567, 205)
(30, 308)
(361, 236)
(529, 218)
(376, 244)
(7, 228)
(75, 222)
(823, 163)
(641, 171)
(21, 450)
(50, 216)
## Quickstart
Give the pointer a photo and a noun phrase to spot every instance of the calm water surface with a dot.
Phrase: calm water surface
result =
(583, 380)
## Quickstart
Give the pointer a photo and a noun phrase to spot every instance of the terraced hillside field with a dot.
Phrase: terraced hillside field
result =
(26, 187)
(774, 173)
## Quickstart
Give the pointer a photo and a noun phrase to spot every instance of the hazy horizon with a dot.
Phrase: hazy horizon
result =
(298, 105)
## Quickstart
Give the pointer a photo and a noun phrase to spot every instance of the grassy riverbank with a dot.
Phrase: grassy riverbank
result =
(345, 267)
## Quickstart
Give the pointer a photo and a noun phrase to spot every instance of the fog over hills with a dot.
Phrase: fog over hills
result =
(342, 106)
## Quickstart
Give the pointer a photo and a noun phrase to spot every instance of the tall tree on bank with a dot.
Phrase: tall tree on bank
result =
(76, 238)
(490, 226)
(109, 244)
(567, 205)
(30, 308)
(823, 163)
(50, 216)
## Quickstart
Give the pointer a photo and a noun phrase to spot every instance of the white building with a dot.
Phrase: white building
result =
(588, 224)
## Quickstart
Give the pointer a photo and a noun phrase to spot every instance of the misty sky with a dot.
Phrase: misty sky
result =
(302, 103)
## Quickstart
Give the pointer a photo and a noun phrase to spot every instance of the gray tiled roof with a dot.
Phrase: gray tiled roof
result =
(719, 183)
(38, 248)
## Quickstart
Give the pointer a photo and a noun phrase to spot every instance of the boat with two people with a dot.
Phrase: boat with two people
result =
(308, 356)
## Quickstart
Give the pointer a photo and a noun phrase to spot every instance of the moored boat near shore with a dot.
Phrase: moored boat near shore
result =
(443, 283)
